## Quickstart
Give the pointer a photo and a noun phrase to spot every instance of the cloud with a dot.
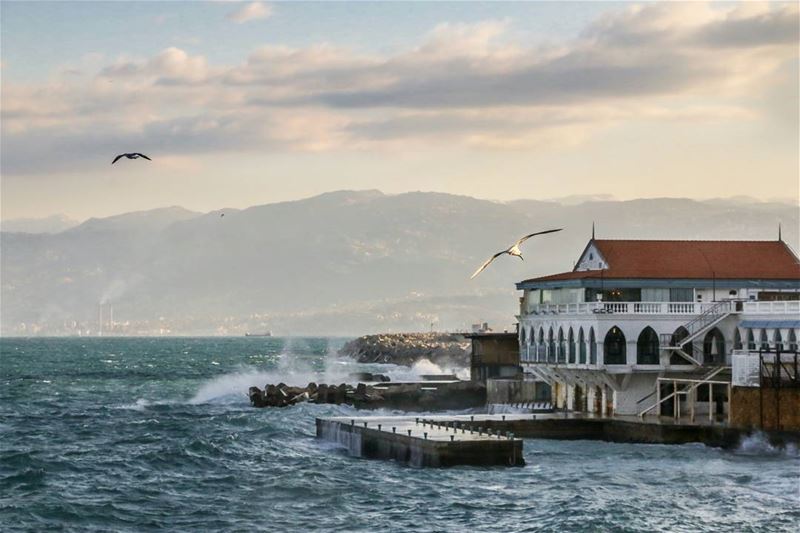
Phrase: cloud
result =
(250, 11)
(467, 85)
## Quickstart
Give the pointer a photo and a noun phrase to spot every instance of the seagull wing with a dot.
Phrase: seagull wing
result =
(487, 263)
(526, 237)
(117, 158)
(142, 155)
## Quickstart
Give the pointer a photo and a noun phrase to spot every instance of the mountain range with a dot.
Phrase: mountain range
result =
(345, 262)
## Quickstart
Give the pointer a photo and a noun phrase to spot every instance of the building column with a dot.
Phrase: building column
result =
(630, 351)
(603, 400)
(784, 338)
(743, 337)
(770, 337)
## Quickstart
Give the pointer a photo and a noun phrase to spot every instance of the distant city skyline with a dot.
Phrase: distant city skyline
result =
(242, 104)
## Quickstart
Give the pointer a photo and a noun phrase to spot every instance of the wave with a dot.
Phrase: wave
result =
(228, 386)
(421, 368)
(139, 405)
(758, 444)
(297, 371)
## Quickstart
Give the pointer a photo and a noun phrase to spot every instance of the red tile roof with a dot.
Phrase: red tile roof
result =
(691, 260)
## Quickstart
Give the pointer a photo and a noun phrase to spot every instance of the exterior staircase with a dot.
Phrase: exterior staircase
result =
(695, 328)
(683, 388)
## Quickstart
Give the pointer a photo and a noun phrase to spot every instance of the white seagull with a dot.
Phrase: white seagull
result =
(134, 155)
(512, 250)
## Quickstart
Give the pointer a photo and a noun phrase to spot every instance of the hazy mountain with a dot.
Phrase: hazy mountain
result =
(345, 262)
(51, 224)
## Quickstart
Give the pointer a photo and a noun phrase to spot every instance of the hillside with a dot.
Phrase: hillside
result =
(340, 263)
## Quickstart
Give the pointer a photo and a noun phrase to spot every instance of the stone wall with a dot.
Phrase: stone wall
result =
(747, 408)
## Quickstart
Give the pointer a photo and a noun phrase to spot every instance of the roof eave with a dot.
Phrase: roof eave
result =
(622, 283)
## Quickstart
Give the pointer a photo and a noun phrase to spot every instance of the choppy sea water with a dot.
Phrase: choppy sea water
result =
(147, 434)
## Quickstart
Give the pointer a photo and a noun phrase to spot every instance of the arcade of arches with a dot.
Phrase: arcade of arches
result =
(572, 345)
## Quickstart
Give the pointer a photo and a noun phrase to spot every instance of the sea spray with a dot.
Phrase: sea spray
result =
(348, 438)
(421, 368)
(758, 444)
(291, 370)
(230, 386)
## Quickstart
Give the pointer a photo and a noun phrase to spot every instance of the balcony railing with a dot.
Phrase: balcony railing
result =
(636, 308)
(771, 308)
(661, 308)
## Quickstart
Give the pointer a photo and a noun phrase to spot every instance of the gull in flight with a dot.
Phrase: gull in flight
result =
(134, 155)
(512, 250)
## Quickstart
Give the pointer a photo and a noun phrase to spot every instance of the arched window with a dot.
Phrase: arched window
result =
(714, 347)
(581, 347)
(778, 340)
(614, 347)
(562, 356)
(676, 359)
(524, 349)
(737, 340)
(551, 347)
(592, 347)
(792, 340)
(751, 340)
(541, 352)
(647, 347)
(764, 341)
(571, 345)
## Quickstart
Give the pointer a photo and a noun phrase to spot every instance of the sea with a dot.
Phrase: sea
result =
(150, 434)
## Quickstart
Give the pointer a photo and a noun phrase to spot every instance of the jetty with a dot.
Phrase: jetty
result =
(422, 441)
(494, 440)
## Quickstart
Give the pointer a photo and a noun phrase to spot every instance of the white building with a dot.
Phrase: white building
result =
(632, 311)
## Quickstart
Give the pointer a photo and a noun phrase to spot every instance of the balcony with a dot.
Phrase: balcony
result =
(629, 308)
(661, 308)
(791, 307)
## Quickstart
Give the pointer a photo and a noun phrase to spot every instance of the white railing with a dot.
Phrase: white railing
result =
(772, 308)
(634, 308)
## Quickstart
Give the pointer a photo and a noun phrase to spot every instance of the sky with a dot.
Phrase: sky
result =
(240, 104)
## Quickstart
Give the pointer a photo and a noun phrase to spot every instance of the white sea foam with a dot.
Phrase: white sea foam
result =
(290, 369)
(140, 405)
(233, 385)
(758, 444)
(296, 371)
(421, 368)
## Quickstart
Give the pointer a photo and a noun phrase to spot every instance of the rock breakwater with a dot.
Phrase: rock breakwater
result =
(443, 349)
(421, 396)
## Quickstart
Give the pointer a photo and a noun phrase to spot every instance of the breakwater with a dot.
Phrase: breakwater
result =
(442, 349)
(417, 396)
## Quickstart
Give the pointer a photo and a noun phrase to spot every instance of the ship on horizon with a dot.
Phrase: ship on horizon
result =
(264, 334)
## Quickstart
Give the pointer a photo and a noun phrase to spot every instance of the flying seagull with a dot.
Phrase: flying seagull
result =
(134, 155)
(512, 250)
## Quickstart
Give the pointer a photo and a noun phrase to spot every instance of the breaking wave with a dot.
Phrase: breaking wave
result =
(758, 444)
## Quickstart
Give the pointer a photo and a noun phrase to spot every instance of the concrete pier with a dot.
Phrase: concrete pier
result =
(489, 440)
(422, 441)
